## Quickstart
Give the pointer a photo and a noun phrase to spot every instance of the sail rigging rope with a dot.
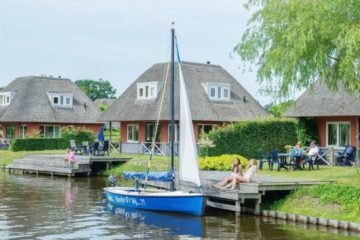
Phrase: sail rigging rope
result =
(157, 123)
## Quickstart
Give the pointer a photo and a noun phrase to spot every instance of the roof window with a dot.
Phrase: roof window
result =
(6, 98)
(147, 90)
(64, 100)
(218, 91)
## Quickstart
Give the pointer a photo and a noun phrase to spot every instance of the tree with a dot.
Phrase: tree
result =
(278, 110)
(96, 89)
(294, 43)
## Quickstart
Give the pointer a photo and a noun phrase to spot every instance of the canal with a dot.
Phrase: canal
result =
(59, 208)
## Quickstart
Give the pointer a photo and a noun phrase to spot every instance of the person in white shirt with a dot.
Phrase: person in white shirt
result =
(313, 150)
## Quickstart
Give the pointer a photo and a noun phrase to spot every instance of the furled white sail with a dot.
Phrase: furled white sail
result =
(188, 163)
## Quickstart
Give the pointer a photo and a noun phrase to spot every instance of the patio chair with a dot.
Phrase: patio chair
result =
(105, 148)
(95, 148)
(346, 157)
(74, 148)
(85, 148)
(262, 160)
(311, 161)
(275, 160)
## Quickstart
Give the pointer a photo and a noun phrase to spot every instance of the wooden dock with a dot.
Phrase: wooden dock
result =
(247, 195)
(54, 164)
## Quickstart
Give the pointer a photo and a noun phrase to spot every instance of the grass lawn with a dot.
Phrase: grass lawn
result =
(342, 175)
(340, 201)
(115, 135)
(139, 163)
(7, 156)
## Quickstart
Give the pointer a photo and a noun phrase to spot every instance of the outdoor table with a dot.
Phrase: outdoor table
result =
(283, 158)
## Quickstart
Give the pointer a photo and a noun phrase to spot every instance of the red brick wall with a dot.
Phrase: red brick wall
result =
(164, 130)
(321, 122)
(33, 127)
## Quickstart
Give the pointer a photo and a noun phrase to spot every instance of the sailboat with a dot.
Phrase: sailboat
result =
(172, 200)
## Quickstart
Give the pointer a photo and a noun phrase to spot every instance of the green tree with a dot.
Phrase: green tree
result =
(278, 110)
(96, 89)
(294, 43)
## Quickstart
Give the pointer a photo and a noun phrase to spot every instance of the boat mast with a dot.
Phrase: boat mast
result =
(172, 115)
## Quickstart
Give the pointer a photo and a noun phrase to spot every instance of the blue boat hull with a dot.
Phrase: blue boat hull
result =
(178, 202)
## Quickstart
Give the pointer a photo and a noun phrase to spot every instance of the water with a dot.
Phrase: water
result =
(58, 208)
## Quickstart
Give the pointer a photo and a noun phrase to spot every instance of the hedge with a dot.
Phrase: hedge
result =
(38, 144)
(248, 137)
(32, 144)
(221, 163)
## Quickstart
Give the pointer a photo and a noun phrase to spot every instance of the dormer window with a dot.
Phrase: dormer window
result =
(64, 100)
(147, 90)
(6, 98)
(218, 91)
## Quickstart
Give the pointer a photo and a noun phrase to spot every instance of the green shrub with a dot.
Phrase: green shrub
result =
(307, 130)
(33, 144)
(248, 137)
(78, 134)
(221, 163)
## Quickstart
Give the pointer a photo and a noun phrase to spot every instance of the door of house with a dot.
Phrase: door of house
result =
(150, 132)
(10, 131)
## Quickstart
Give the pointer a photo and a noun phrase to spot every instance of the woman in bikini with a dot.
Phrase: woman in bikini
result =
(236, 171)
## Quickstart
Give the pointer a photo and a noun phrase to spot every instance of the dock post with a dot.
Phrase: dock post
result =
(257, 205)
(238, 208)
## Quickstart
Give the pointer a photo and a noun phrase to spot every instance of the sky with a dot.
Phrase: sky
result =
(118, 40)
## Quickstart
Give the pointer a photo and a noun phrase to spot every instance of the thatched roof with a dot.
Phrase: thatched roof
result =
(32, 104)
(242, 105)
(321, 102)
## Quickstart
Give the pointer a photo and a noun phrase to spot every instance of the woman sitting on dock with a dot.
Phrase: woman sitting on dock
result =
(236, 171)
(70, 158)
(251, 175)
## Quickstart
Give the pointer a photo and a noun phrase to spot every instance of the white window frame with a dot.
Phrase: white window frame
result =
(67, 99)
(149, 90)
(127, 133)
(53, 135)
(22, 133)
(218, 89)
(6, 98)
(337, 132)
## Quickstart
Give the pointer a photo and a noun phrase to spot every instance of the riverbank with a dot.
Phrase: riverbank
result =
(340, 201)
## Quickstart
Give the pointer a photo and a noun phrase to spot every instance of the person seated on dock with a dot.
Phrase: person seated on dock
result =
(251, 175)
(236, 171)
(70, 158)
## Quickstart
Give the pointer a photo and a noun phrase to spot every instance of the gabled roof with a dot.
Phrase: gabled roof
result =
(242, 105)
(32, 104)
(322, 102)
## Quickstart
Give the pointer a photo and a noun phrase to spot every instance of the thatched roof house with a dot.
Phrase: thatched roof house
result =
(215, 98)
(33, 101)
(336, 113)
(199, 78)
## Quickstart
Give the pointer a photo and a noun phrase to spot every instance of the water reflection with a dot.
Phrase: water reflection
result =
(61, 208)
(176, 223)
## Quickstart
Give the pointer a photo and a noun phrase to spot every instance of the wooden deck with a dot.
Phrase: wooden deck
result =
(54, 164)
(249, 195)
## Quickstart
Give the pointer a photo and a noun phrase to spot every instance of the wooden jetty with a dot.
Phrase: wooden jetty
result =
(247, 195)
(54, 164)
